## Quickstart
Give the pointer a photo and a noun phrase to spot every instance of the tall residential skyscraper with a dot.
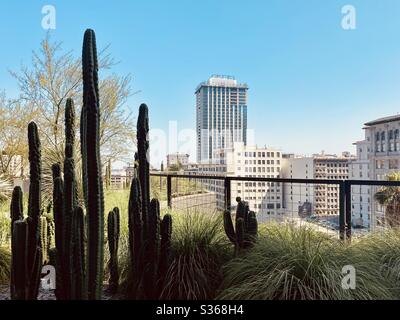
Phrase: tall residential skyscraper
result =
(221, 115)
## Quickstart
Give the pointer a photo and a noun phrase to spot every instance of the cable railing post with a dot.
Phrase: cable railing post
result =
(348, 210)
(169, 191)
(227, 188)
(342, 211)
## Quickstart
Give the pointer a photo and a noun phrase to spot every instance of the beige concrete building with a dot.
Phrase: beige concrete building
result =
(318, 199)
(265, 198)
(177, 159)
(377, 155)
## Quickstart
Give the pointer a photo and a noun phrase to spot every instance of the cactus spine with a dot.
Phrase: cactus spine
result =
(91, 165)
(113, 228)
(246, 226)
(44, 238)
(69, 201)
(58, 216)
(34, 211)
(108, 174)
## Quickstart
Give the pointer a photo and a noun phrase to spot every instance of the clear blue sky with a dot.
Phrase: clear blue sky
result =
(312, 84)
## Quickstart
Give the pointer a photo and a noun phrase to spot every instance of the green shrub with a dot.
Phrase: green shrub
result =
(5, 228)
(5, 262)
(297, 263)
(377, 256)
(200, 248)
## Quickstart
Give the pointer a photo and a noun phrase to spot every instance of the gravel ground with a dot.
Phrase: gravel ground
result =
(43, 294)
(48, 294)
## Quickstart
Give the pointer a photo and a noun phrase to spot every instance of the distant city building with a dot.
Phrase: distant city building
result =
(118, 179)
(265, 198)
(377, 155)
(359, 169)
(178, 160)
(221, 115)
(129, 173)
(318, 199)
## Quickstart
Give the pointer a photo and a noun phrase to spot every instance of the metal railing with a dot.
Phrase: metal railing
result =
(344, 195)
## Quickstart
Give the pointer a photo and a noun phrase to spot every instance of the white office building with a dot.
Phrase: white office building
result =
(177, 159)
(314, 199)
(265, 198)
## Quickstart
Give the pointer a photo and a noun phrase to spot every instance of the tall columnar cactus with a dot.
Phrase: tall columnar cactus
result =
(58, 215)
(150, 240)
(29, 236)
(16, 213)
(165, 250)
(34, 212)
(135, 224)
(44, 238)
(19, 260)
(91, 165)
(70, 201)
(246, 226)
(16, 207)
(152, 249)
(143, 159)
(79, 265)
(108, 174)
(113, 231)
(58, 205)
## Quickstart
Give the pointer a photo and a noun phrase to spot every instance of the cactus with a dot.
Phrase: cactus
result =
(135, 225)
(70, 201)
(29, 237)
(16, 213)
(142, 159)
(16, 207)
(19, 261)
(149, 240)
(152, 249)
(78, 277)
(107, 176)
(113, 228)
(91, 165)
(246, 226)
(58, 209)
(79, 266)
(34, 211)
(34, 273)
(165, 249)
(44, 238)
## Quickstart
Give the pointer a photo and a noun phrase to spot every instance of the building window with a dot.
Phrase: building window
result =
(393, 164)
(380, 164)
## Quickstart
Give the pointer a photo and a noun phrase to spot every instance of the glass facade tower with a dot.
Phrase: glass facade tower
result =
(221, 115)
